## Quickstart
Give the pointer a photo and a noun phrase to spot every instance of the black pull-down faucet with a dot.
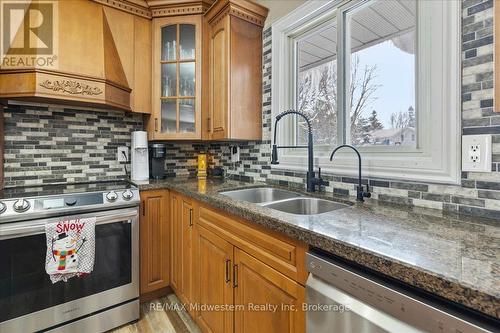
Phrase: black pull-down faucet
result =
(361, 194)
(312, 181)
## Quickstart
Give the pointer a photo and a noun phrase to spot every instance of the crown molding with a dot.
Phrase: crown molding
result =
(159, 8)
(244, 9)
(136, 7)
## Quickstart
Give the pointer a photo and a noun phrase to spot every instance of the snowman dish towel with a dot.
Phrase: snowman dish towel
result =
(70, 248)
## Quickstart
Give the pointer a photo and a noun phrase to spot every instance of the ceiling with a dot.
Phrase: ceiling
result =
(278, 8)
(381, 21)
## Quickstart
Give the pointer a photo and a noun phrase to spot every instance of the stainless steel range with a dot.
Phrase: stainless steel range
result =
(102, 300)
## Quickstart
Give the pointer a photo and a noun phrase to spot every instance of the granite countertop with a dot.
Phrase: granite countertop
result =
(455, 257)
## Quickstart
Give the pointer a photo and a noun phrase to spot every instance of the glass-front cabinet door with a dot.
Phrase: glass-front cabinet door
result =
(177, 78)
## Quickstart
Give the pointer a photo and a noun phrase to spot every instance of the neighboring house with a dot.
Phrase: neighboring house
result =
(393, 136)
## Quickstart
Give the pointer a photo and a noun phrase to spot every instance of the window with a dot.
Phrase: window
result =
(381, 95)
(316, 85)
(383, 75)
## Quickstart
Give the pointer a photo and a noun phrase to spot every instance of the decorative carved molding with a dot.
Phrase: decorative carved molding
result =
(216, 19)
(128, 7)
(159, 8)
(71, 87)
(254, 15)
(247, 16)
(174, 11)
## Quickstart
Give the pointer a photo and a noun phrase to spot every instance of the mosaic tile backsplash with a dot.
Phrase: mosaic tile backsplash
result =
(77, 145)
(56, 145)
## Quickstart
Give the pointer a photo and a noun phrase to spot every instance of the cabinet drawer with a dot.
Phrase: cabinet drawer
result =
(283, 254)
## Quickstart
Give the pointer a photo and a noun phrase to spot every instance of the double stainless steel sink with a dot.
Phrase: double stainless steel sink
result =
(284, 201)
(260, 195)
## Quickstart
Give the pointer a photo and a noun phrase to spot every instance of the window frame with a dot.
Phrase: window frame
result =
(437, 155)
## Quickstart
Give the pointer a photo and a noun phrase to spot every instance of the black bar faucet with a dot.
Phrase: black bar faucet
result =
(312, 181)
(361, 194)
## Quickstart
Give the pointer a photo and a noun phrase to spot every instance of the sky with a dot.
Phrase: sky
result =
(395, 74)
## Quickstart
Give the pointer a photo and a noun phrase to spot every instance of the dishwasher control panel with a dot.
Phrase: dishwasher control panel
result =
(412, 311)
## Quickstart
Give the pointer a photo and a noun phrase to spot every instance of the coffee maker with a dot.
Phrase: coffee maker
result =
(157, 154)
(139, 156)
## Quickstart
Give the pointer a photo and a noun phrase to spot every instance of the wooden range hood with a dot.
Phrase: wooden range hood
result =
(88, 69)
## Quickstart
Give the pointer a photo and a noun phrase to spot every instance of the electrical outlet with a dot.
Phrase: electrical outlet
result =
(476, 153)
(235, 154)
(122, 154)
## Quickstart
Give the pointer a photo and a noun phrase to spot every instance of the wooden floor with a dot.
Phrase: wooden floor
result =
(164, 315)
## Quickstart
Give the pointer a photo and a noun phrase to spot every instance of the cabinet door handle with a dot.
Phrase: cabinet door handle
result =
(156, 124)
(235, 276)
(228, 273)
(191, 217)
(209, 120)
(143, 208)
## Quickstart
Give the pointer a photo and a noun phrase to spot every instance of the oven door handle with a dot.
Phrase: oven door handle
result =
(13, 230)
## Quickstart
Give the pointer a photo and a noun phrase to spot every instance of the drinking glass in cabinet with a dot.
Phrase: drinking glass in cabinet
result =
(169, 43)
(168, 80)
(169, 116)
(187, 79)
(187, 41)
(186, 115)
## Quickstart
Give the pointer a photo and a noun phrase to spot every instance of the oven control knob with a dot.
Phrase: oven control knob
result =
(21, 205)
(111, 196)
(127, 194)
(3, 207)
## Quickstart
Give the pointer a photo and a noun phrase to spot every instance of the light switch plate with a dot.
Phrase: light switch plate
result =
(476, 153)
(120, 156)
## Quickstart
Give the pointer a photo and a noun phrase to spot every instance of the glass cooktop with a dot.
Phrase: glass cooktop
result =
(58, 189)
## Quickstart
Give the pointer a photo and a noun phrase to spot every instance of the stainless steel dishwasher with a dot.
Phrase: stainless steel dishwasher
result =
(343, 298)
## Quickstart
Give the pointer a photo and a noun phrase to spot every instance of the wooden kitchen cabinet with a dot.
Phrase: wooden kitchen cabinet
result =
(214, 287)
(230, 277)
(182, 217)
(154, 241)
(176, 105)
(234, 91)
(215, 259)
(207, 73)
(141, 88)
(218, 76)
(133, 58)
(283, 254)
(241, 266)
(102, 59)
(259, 284)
